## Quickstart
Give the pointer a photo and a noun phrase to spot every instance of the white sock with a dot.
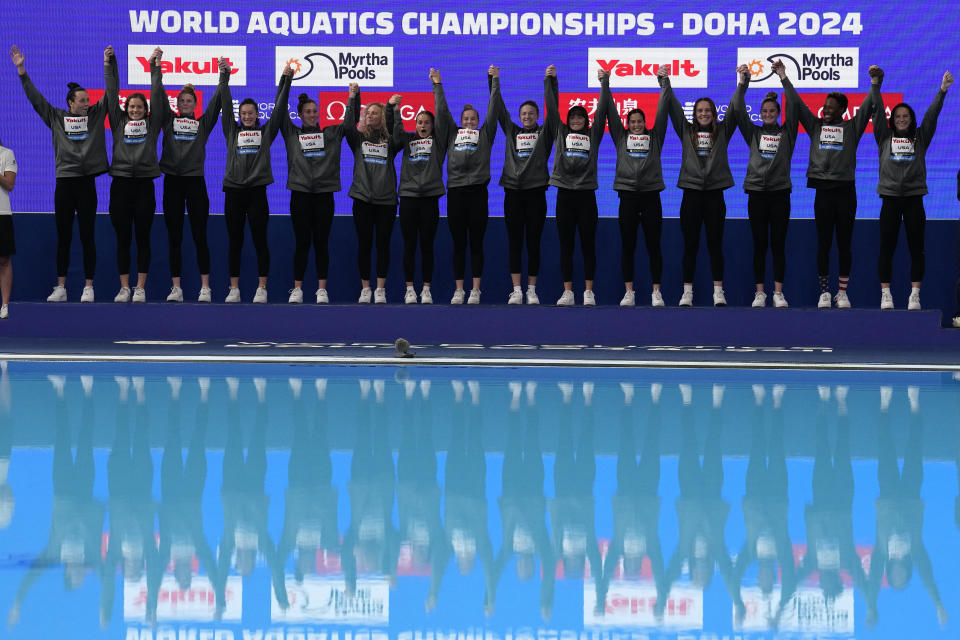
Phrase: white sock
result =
(426, 287)
(884, 289)
(915, 291)
(531, 287)
(717, 289)
(688, 288)
(517, 288)
(409, 287)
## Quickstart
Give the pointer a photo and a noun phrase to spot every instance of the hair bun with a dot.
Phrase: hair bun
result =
(303, 98)
(73, 85)
(188, 86)
(771, 95)
(468, 106)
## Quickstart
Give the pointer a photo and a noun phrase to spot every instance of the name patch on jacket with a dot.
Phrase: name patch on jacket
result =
(420, 149)
(185, 129)
(578, 146)
(638, 145)
(526, 142)
(135, 132)
(76, 127)
(902, 149)
(704, 143)
(769, 143)
(831, 138)
(467, 140)
(311, 144)
(248, 142)
(375, 152)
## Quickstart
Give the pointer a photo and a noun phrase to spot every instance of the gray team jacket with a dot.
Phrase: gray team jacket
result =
(313, 154)
(248, 150)
(707, 168)
(903, 162)
(184, 149)
(575, 158)
(421, 168)
(525, 162)
(468, 150)
(134, 141)
(638, 155)
(374, 171)
(771, 146)
(78, 141)
(833, 147)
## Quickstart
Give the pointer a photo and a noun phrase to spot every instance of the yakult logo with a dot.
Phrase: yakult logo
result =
(183, 64)
(338, 66)
(833, 67)
(638, 67)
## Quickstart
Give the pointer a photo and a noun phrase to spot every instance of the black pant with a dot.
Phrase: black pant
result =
(640, 209)
(190, 193)
(251, 205)
(707, 209)
(910, 209)
(76, 196)
(132, 206)
(419, 218)
(577, 211)
(467, 213)
(367, 218)
(525, 211)
(312, 217)
(769, 213)
(835, 208)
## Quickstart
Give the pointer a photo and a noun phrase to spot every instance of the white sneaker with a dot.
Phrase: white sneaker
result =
(589, 300)
(843, 302)
(532, 297)
(206, 295)
(956, 322)
(474, 296)
(825, 301)
(913, 304)
(516, 296)
(759, 300)
(87, 295)
(380, 295)
(322, 297)
(233, 295)
(458, 297)
(656, 299)
(779, 301)
(719, 300)
(425, 296)
(260, 297)
(4, 312)
(686, 300)
(59, 294)
(410, 297)
(176, 295)
(365, 295)
(886, 300)
(123, 295)
(296, 296)
(629, 299)
(139, 295)
(566, 300)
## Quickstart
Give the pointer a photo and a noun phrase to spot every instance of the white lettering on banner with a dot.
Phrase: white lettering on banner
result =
(325, 600)
(527, 24)
(578, 145)
(375, 152)
(420, 149)
(76, 127)
(526, 143)
(311, 144)
(325, 66)
(901, 149)
(135, 132)
(185, 129)
(196, 64)
(733, 24)
(704, 143)
(831, 137)
(769, 143)
(467, 140)
(638, 145)
(248, 142)
(634, 67)
(806, 67)
(190, 22)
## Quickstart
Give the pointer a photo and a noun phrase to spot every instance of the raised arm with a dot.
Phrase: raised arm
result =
(600, 113)
(551, 100)
(617, 130)
(675, 109)
(44, 109)
(281, 109)
(803, 114)
(740, 106)
(211, 110)
(791, 106)
(396, 132)
(502, 116)
(159, 105)
(731, 119)
(663, 113)
(445, 122)
(494, 104)
(881, 126)
(929, 124)
(112, 93)
(228, 120)
(866, 109)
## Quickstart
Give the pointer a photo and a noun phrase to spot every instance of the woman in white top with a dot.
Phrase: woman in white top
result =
(8, 175)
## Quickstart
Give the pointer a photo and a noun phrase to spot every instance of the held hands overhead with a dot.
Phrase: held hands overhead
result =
(493, 71)
(434, 75)
(743, 71)
(876, 74)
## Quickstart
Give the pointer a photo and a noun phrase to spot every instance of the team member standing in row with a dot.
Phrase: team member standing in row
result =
(704, 175)
(8, 176)
(638, 183)
(133, 200)
(246, 178)
(81, 156)
(575, 176)
(524, 183)
(768, 184)
(374, 193)
(421, 185)
(182, 160)
(313, 175)
(903, 183)
(468, 174)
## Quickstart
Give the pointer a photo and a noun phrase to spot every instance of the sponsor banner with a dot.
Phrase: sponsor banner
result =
(636, 67)
(182, 64)
(806, 612)
(625, 103)
(96, 94)
(631, 604)
(325, 600)
(815, 102)
(337, 66)
(833, 67)
(333, 104)
(198, 603)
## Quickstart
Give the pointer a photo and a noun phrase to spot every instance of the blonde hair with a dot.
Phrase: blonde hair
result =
(380, 133)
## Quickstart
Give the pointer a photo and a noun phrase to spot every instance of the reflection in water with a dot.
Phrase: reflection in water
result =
(183, 553)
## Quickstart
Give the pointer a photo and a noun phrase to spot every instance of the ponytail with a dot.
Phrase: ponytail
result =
(304, 99)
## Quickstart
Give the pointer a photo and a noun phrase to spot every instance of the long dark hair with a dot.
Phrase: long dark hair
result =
(74, 88)
(912, 129)
(302, 100)
(714, 126)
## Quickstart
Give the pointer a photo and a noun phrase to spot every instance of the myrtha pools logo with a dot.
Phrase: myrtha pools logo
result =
(338, 66)
(806, 68)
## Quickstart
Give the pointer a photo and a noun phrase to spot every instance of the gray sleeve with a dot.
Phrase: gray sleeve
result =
(210, 114)
(600, 113)
(228, 120)
(159, 108)
(112, 93)
(862, 118)
(445, 122)
(494, 107)
(740, 112)
(617, 130)
(929, 124)
(44, 109)
(660, 122)
(551, 103)
(730, 120)
(674, 106)
(881, 127)
(804, 115)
